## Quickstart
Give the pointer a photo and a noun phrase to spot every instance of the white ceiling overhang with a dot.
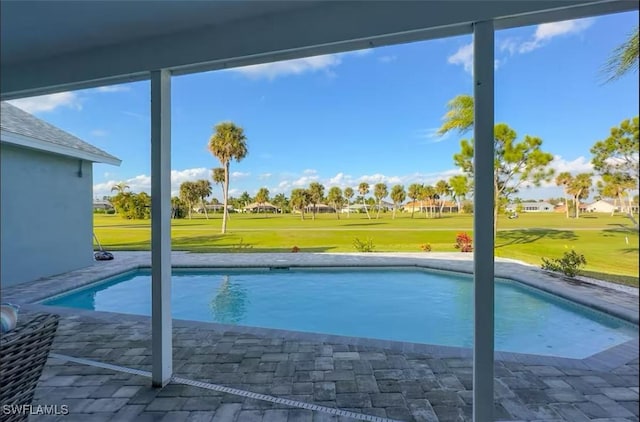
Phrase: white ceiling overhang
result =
(52, 46)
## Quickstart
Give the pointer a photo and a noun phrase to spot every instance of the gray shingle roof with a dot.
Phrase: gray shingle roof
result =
(18, 121)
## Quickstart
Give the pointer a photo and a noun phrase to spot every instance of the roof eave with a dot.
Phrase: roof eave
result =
(37, 144)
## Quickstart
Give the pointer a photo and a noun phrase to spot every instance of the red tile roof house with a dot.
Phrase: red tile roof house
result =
(43, 164)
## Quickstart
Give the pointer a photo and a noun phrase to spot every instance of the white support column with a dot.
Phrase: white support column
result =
(161, 324)
(483, 328)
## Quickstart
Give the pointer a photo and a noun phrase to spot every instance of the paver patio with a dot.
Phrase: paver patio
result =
(318, 373)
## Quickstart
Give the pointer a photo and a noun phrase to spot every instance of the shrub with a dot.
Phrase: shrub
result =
(426, 247)
(568, 265)
(295, 249)
(363, 246)
(464, 242)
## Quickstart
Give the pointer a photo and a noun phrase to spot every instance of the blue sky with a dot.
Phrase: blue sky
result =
(362, 116)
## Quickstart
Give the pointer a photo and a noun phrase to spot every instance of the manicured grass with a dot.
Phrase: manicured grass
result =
(609, 243)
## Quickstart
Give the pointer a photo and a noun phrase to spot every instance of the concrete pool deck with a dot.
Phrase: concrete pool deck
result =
(303, 376)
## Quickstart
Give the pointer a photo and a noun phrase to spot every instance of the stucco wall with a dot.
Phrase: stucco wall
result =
(46, 217)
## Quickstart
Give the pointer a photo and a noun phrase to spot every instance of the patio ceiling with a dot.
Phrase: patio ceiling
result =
(51, 46)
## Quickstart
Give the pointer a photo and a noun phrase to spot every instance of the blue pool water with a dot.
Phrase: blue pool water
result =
(411, 305)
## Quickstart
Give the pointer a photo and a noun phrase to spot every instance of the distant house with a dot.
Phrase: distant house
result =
(531, 207)
(41, 164)
(213, 208)
(99, 204)
(563, 208)
(603, 205)
(319, 208)
(424, 206)
(263, 207)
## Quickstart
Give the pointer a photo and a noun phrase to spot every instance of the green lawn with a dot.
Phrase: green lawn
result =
(609, 243)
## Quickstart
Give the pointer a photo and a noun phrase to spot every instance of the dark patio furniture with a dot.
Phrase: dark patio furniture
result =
(23, 354)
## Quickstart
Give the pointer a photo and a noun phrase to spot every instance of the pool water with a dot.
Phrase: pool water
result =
(411, 305)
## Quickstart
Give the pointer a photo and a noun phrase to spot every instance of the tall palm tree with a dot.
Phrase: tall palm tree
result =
(300, 200)
(443, 190)
(348, 194)
(363, 189)
(579, 188)
(203, 189)
(414, 193)
(335, 198)
(189, 195)
(428, 194)
(227, 143)
(460, 187)
(316, 194)
(398, 196)
(565, 179)
(262, 197)
(380, 191)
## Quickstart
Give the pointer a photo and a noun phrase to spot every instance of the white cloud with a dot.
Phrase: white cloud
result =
(264, 176)
(290, 67)
(579, 165)
(544, 33)
(304, 181)
(142, 182)
(325, 63)
(98, 132)
(310, 171)
(239, 175)
(387, 59)
(464, 57)
(114, 88)
(50, 102)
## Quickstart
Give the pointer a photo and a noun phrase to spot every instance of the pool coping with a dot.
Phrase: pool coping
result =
(29, 294)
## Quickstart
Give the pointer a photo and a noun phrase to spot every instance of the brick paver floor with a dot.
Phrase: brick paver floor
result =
(361, 379)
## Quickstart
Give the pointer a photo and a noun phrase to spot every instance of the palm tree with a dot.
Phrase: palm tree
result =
(380, 191)
(203, 190)
(414, 193)
(188, 195)
(428, 194)
(565, 179)
(363, 189)
(460, 188)
(335, 198)
(281, 201)
(316, 194)
(119, 187)
(579, 188)
(227, 143)
(245, 198)
(398, 196)
(348, 194)
(443, 190)
(261, 197)
(624, 58)
(616, 185)
(460, 115)
(300, 200)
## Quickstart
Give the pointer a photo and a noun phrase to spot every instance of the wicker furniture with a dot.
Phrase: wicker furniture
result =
(23, 354)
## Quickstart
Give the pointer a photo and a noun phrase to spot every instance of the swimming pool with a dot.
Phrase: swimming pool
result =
(412, 305)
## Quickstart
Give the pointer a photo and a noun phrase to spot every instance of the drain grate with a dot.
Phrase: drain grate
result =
(227, 390)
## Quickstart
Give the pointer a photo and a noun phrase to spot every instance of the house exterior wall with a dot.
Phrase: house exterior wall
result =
(601, 206)
(46, 221)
